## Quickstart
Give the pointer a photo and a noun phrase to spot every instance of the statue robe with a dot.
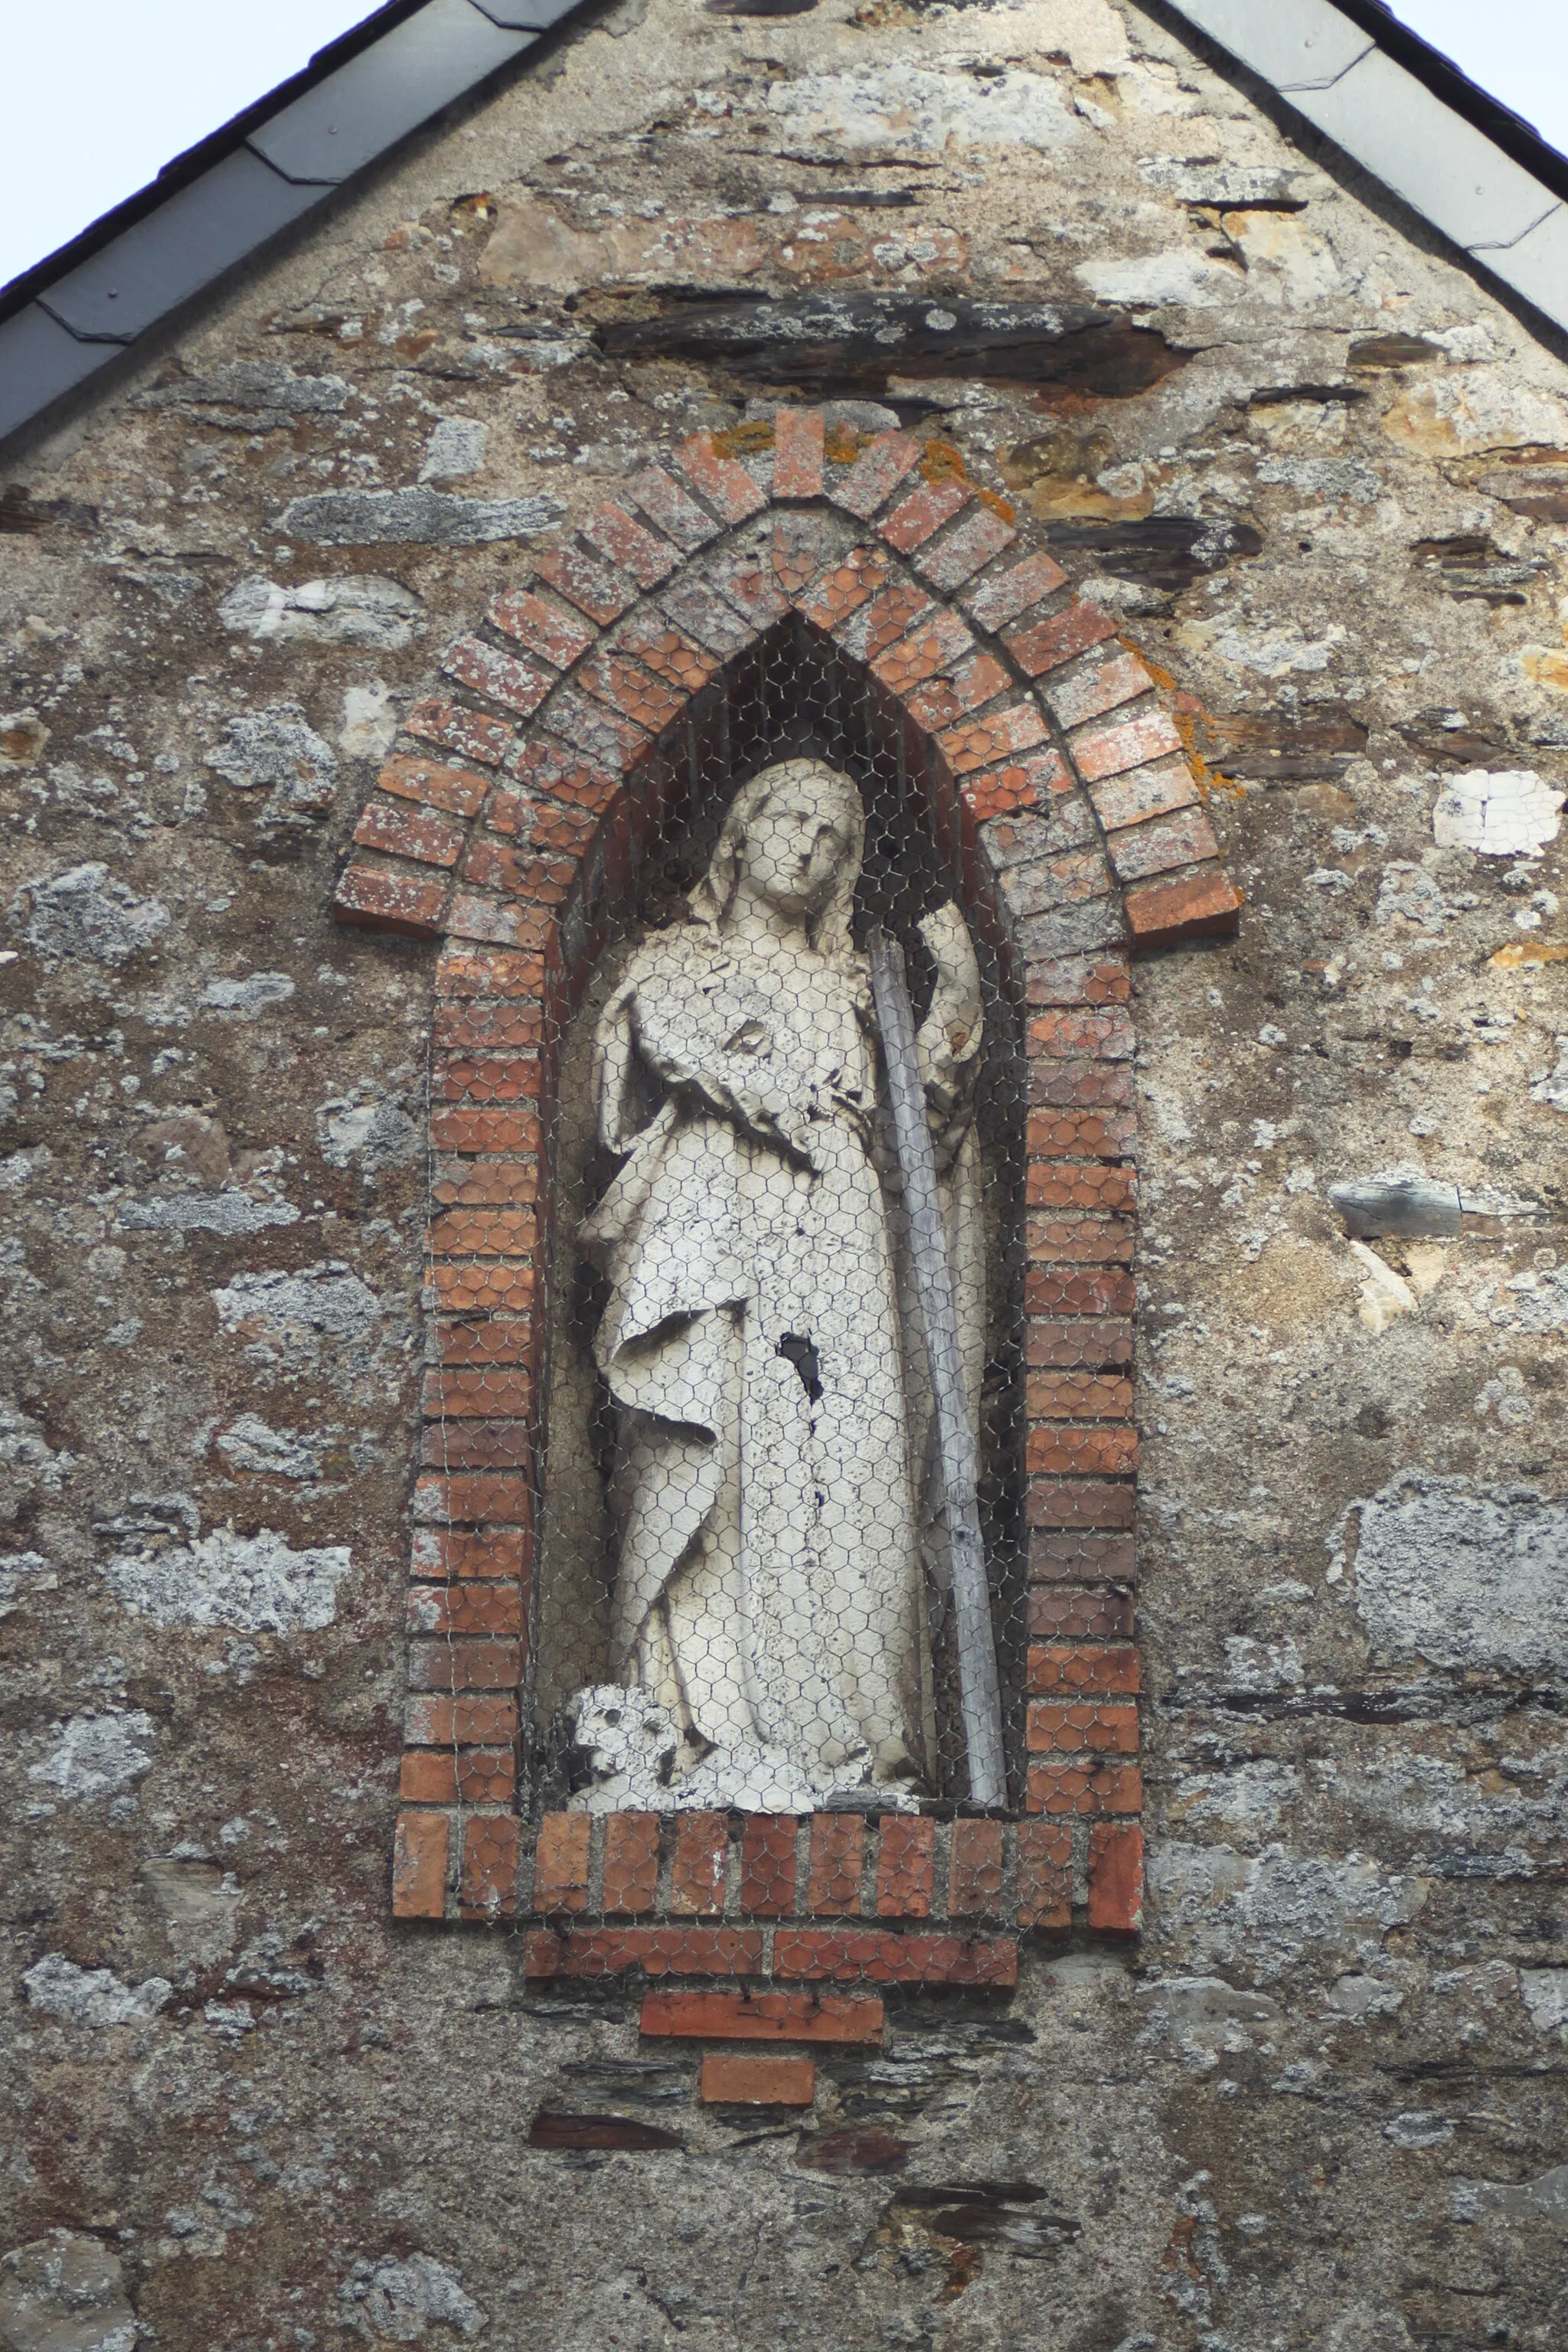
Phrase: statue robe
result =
(769, 1583)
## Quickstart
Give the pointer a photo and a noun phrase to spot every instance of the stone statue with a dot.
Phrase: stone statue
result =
(759, 1345)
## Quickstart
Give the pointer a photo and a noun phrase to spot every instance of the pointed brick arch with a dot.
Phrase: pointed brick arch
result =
(508, 826)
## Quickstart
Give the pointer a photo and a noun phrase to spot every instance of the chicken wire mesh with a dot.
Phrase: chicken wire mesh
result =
(743, 1593)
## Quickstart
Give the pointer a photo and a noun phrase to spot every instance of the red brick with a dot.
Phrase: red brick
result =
(1085, 1084)
(613, 534)
(725, 484)
(936, 643)
(1097, 686)
(914, 519)
(1205, 906)
(491, 1846)
(410, 833)
(561, 771)
(1087, 1616)
(701, 1857)
(476, 973)
(1184, 839)
(631, 1862)
(1115, 1879)
(486, 1078)
(668, 653)
(490, 1607)
(485, 1233)
(695, 605)
(475, 1500)
(540, 627)
(656, 1951)
(486, 1396)
(457, 1126)
(864, 1954)
(464, 1665)
(1048, 1290)
(1071, 1450)
(592, 586)
(485, 1183)
(482, 1286)
(1078, 929)
(863, 571)
(1070, 1185)
(984, 742)
(945, 701)
(487, 1340)
(1095, 1135)
(1078, 1345)
(1098, 1671)
(607, 742)
(1084, 1729)
(432, 1721)
(664, 502)
(561, 1863)
(1079, 1241)
(376, 899)
(470, 1776)
(635, 692)
(876, 474)
(1080, 979)
(1083, 1789)
(1076, 1554)
(1108, 1034)
(475, 1445)
(906, 1866)
(974, 1877)
(475, 915)
(800, 548)
(995, 601)
(1020, 784)
(745, 578)
(1141, 792)
(1109, 750)
(1045, 1876)
(797, 453)
(452, 789)
(767, 1865)
(868, 632)
(420, 1847)
(517, 684)
(469, 1553)
(948, 562)
(1077, 1503)
(821, 2017)
(838, 1851)
(1060, 638)
(731, 2078)
(473, 734)
(543, 825)
(1042, 883)
(1078, 1396)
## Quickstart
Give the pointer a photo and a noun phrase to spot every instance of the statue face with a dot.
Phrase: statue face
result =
(794, 851)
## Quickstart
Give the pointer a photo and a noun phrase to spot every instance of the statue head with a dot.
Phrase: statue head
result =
(794, 837)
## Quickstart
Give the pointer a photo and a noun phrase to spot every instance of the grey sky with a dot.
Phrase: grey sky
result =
(115, 88)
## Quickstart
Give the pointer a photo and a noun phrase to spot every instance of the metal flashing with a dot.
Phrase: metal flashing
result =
(40, 364)
(525, 15)
(1296, 45)
(421, 65)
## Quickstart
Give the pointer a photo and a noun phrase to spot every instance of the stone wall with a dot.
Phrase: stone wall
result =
(1318, 480)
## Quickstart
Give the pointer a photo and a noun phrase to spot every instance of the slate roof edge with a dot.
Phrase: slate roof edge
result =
(1416, 123)
(223, 202)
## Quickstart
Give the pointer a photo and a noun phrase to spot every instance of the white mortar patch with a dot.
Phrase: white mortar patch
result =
(247, 1584)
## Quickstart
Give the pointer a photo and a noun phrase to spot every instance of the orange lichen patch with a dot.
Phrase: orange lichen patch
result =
(745, 440)
(842, 444)
(1518, 953)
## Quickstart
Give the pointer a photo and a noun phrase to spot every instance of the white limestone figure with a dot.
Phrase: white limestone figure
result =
(775, 1546)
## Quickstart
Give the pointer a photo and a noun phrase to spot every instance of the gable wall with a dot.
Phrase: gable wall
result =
(1316, 2103)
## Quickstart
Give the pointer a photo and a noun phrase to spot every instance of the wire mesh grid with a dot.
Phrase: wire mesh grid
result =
(743, 1593)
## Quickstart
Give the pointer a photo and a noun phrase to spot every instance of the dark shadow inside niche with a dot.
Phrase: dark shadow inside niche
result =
(793, 694)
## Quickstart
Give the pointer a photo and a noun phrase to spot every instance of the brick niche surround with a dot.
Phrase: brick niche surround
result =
(508, 827)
